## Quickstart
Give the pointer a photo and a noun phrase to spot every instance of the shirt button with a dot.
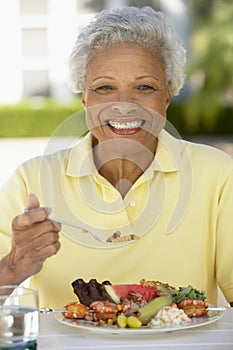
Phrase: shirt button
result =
(132, 203)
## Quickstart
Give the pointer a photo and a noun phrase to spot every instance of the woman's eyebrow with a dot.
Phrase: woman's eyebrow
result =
(137, 78)
(104, 77)
(147, 76)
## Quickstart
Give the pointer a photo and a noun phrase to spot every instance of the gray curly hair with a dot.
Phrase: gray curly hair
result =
(142, 26)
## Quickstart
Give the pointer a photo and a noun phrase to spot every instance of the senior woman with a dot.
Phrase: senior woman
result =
(127, 174)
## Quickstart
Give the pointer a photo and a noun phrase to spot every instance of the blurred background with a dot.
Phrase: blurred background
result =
(36, 37)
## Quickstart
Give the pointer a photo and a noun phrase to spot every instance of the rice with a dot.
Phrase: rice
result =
(169, 315)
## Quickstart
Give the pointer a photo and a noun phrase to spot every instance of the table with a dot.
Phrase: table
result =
(218, 335)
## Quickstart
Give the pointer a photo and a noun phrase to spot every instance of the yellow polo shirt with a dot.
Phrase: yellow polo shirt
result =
(181, 208)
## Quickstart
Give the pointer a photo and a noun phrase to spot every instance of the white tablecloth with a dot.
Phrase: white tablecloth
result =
(218, 335)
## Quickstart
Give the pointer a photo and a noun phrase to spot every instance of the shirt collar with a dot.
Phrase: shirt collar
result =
(167, 158)
(80, 159)
(168, 153)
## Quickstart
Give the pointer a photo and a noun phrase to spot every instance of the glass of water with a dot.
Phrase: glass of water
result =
(19, 318)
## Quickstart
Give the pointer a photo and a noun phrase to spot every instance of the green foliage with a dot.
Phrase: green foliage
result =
(186, 121)
(213, 48)
(26, 120)
(202, 10)
(29, 120)
(210, 68)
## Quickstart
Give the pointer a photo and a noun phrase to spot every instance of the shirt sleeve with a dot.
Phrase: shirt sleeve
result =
(13, 196)
(224, 237)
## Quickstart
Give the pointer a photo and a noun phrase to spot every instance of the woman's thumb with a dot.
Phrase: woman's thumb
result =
(32, 202)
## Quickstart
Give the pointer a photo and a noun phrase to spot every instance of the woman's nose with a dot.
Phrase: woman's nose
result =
(124, 107)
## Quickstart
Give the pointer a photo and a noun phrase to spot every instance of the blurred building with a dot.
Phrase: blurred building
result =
(36, 37)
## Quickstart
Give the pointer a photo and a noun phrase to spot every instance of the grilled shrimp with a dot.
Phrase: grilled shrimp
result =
(103, 311)
(75, 310)
(193, 308)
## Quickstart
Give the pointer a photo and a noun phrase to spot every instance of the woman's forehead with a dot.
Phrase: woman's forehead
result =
(125, 53)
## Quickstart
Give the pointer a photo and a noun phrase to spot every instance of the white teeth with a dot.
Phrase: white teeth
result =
(129, 125)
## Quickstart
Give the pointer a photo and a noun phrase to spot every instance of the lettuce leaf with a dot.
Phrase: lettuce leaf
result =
(183, 293)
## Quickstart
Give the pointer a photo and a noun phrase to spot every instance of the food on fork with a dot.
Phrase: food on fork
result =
(117, 238)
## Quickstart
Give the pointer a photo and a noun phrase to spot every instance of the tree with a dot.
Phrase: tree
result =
(210, 70)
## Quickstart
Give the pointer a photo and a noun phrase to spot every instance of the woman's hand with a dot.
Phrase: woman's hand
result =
(34, 239)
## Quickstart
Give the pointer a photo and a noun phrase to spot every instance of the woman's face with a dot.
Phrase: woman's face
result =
(124, 92)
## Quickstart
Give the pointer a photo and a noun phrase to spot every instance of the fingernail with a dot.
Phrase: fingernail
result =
(48, 210)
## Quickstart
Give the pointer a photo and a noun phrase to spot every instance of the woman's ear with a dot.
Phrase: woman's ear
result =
(83, 101)
(168, 99)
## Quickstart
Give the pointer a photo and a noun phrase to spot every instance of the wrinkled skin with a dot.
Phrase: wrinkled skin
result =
(34, 239)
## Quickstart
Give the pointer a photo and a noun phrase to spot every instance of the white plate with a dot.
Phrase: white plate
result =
(211, 317)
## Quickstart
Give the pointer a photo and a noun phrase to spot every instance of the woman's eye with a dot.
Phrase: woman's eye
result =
(145, 88)
(104, 88)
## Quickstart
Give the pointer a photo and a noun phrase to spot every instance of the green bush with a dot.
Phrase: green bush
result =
(208, 121)
(26, 120)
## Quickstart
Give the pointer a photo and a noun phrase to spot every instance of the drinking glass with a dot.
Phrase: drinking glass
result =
(19, 318)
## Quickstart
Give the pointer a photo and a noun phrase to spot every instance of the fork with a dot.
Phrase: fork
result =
(48, 310)
(124, 239)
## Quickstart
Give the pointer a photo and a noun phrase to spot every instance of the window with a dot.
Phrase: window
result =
(36, 83)
(33, 7)
(34, 42)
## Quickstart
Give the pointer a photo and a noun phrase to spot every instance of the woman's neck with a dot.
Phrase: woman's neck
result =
(122, 170)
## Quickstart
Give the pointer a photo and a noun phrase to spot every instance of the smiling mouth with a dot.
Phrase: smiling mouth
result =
(127, 125)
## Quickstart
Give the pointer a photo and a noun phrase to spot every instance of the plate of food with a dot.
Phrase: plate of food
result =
(146, 307)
